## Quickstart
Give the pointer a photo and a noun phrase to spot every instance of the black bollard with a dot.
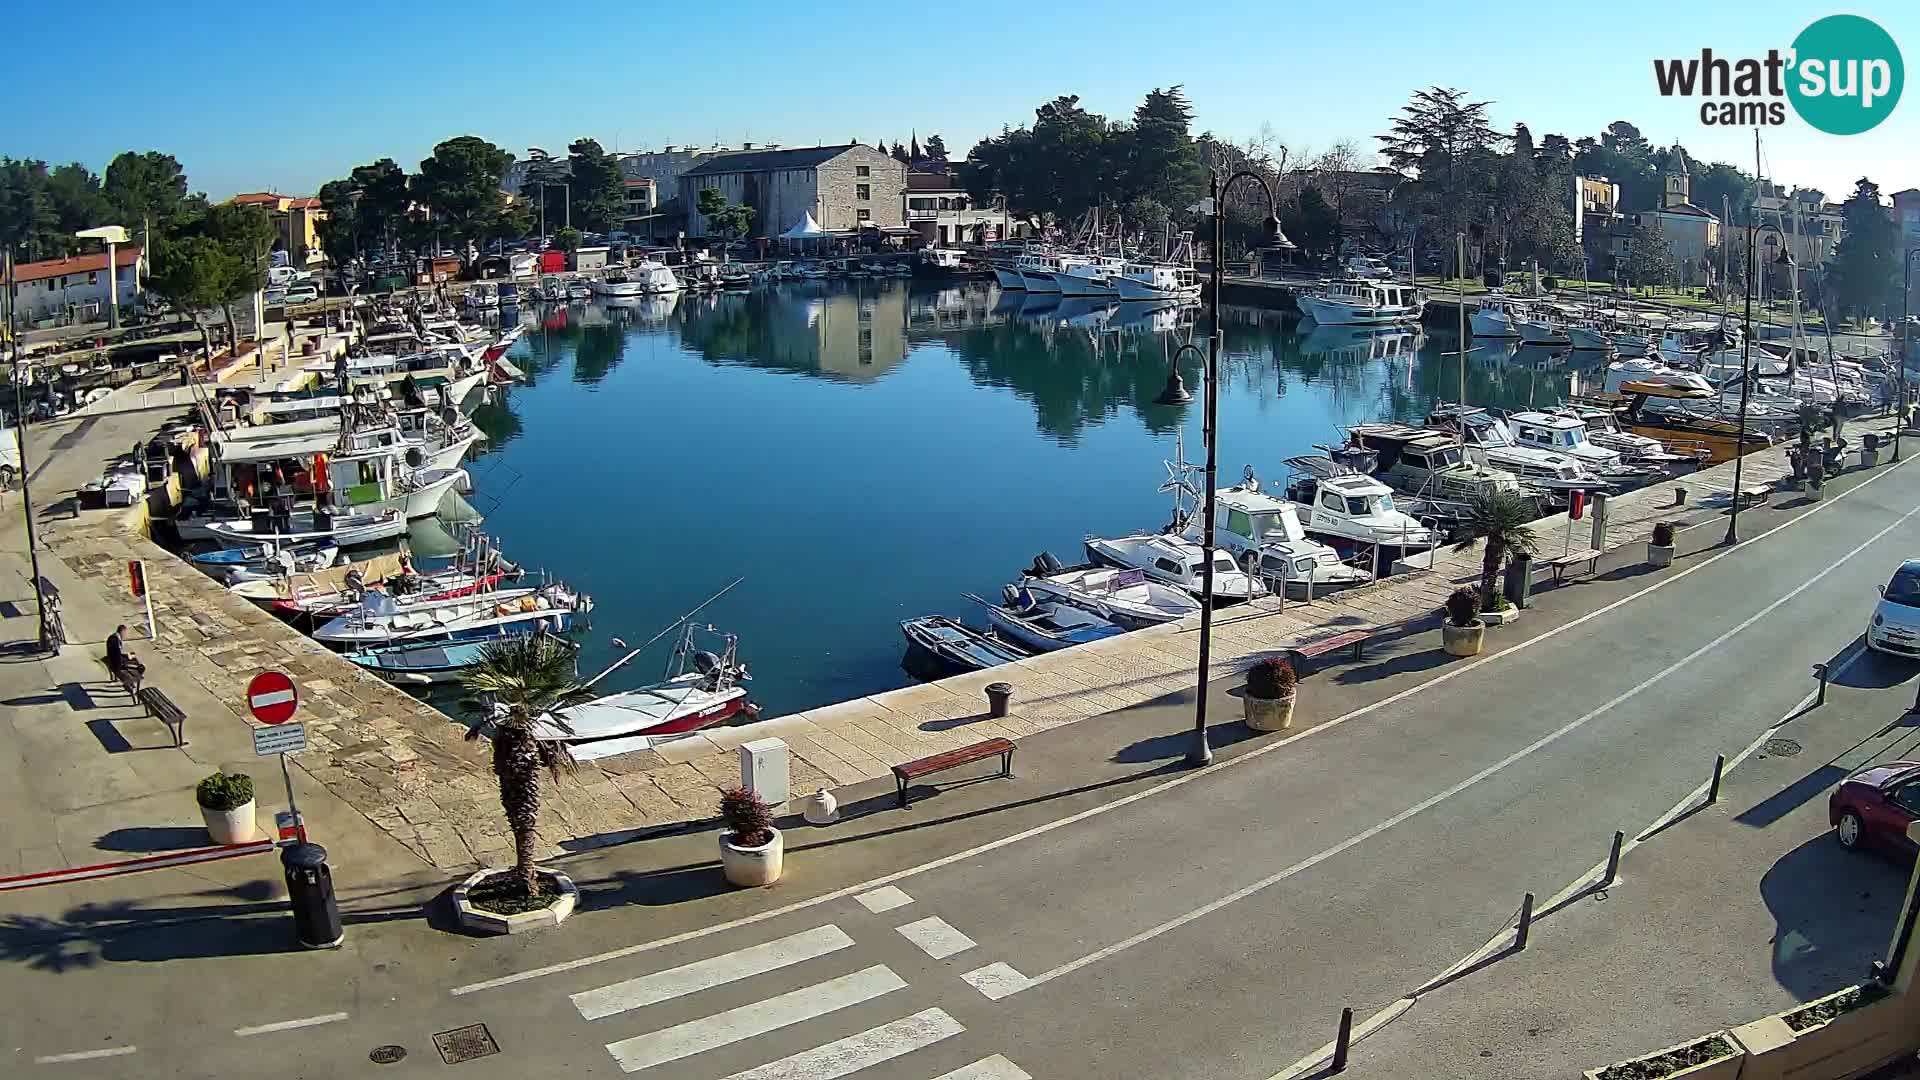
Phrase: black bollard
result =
(316, 916)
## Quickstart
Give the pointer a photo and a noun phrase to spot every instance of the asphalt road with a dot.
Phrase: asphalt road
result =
(1178, 924)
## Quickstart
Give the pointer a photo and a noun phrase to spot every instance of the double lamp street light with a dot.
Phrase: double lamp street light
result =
(1176, 394)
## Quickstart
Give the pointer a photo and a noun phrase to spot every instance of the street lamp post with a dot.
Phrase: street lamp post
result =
(1746, 383)
(1906, 348)
(19, 377)
(1176, 394)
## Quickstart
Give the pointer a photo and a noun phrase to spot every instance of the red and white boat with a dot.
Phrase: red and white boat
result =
(293, 598)
(683, 703)
(504, 342)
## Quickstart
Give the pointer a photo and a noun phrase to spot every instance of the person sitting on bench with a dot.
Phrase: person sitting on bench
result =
(119, 660)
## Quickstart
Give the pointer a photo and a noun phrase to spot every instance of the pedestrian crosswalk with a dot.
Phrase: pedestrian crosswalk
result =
(822, 977)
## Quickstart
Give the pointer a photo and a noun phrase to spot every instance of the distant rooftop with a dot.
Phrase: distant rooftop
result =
(768, 160)
(125, 255)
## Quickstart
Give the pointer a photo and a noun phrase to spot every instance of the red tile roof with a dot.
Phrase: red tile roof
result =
(125, 255)
(303, 202)
(263, 197)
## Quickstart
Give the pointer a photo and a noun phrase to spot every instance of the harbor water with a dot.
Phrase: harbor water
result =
(863, 453)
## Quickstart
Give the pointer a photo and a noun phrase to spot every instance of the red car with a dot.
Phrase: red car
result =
(1875, 806)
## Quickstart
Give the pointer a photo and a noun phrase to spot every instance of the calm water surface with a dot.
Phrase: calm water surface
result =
(863, 454)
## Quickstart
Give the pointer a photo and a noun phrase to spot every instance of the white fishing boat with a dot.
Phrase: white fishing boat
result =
(1157, 281)
(1264, 536)
(1424, 462)
(1123, 597)
(1568, 435)
(702, 689)
(1041, 271)
(1590, 334)
(281, 565)
(1176, 560)
(1604, 430)
(1351, 510)
(1490, 442)
(380, 620)
(310, 526)
(1092, 277)
(1542, 324)
(1496, 317)
(1361, 303)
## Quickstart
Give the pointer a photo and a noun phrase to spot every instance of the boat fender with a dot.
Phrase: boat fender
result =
(415, 458)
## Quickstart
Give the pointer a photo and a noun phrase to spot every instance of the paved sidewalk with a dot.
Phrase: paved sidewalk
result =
(1736, 910)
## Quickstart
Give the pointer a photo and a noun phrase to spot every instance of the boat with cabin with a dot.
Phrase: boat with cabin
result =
(1489, 441)
(1264, 536)
(1178, 561)
(1091, 277)
(1360, 302)
(1125, 598)
(1421, 461)
(1497, 317)
(1351, 510)
(1157, 281)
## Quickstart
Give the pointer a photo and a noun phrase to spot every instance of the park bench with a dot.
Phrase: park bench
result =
(1560, 564)
(1313, 650)
(161, 708)
(127, 679)
(1751, 495)
(927, 766)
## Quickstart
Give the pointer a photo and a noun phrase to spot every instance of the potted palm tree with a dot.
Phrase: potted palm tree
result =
(518, 692)
(750, 847)
(1269, 695)
(1660, 548)
(226, 805)
(1500, 519)
(1463, 633)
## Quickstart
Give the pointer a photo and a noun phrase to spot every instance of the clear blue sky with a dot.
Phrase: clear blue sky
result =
(253, 96)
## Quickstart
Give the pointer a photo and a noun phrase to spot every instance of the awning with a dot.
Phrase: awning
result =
(805, 229)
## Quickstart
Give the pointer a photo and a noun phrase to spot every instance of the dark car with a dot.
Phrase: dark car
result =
(1875, 805)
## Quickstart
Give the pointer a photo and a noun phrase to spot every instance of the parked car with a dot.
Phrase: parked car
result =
(1895, 626)
(1873, 807)
(303, 294)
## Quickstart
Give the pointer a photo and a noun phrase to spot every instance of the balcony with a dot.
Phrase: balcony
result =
(926, 215)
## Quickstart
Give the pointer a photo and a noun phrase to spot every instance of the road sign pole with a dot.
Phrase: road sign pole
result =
(150, 631)
(299, 825)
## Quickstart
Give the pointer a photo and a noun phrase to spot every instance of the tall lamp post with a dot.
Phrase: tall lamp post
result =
(1746, 381)
(1906, 348)
(1176, 394)
(19, 377)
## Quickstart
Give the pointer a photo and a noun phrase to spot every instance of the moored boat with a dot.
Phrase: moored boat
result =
(1123, 597)
(957, 646)
(1044, 626)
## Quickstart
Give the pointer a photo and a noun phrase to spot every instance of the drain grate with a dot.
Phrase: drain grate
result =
(1780, 748)
(465, 1044)
(386, 1055)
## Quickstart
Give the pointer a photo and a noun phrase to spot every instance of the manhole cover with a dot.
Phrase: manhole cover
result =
(1780, 747)
(386, 1055)
(465, 1044)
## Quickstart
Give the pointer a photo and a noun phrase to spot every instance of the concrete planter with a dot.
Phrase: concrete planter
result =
(235, 826)
(1847, 1045)
(1500, 618)
(1463, 640)
(491, 922)
(1869, 458)
(1816, 492)
(1659, 557)
(1268, 714)
(1720, 1068)
(751, 867)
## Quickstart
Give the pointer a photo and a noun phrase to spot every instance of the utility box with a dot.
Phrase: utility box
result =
(1599, 510)
(763, 770)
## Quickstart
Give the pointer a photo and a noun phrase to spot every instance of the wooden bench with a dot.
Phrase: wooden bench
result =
(927, 766)
(1560, 564)
(127, 678)
(161, 708)
(1313, 650)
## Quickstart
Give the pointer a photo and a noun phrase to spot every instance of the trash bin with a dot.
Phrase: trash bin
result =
(316, 917)
(1518, 585)
(998, 696)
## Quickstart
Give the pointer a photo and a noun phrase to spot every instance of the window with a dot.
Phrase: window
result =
(862, 170)
(1332, 502)
(1168, 566)
(1356, 506)
(1906, 797)
(866, 215)
(1904, 589)
(862, 191)
(1238, 523)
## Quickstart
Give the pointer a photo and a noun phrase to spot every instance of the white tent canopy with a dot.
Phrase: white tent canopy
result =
(806, 229)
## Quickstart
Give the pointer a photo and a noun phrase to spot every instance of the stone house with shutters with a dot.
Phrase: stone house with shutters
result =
(844, 188)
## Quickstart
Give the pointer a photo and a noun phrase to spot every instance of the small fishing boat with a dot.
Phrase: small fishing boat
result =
(423, 665)
(702, 688)
(247, 554)
(1176, 561)
(381, 620)
(312, 526)
(1123, 597)
(1044, 626)
(957, 646)
(1361, 303)
(283, 565)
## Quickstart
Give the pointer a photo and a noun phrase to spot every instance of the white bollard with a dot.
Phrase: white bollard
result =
(763, 770)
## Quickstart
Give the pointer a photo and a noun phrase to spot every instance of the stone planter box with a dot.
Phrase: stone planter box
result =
(1463, 640)
(752, 867)
(1721, 1068)
(1500, 618)
(235, 826)
(1268, 714)
(1844, 1046)
(1659, 557)
(553, 914)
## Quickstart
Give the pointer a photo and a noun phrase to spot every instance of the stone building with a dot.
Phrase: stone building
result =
(844, 188)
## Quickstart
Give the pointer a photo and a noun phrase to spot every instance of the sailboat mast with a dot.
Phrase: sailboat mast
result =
(1460, 256)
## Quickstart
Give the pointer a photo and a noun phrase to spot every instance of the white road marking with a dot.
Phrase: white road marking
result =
(1158, 789)
(936, 937)
(1436, 799)
(996, 981)
(714, 971)
(747, 1021)
(85, 1055)
(289, 1025)
(856, 1052)
(990, 1068)
(884, 899)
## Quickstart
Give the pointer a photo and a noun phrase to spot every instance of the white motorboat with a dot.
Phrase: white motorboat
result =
(1497, 317)
(1040, 271)
(482, 294)
(1352, 510)
(1424, 462)
(1568, 435)
(1157, 281)
(1590, 334)
(1264, 536)
(1361, 303)
(380, 620)
(1491, 442)
(1093, 277)
(280, 566)
(687, 700)
(1542, 324)
(1604, 430)
(1176, 560)
(309, 526)
(578, 289)
(1123, 597)
(618, 284)
(1646, 371)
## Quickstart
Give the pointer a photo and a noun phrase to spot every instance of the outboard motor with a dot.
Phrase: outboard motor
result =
(1046, 565)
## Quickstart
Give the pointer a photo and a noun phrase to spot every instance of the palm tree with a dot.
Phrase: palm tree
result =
(517, 681)
(1500, 518)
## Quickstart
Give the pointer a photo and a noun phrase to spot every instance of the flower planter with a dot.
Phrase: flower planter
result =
(235, 826)
(1868, 1034)
(1659, 557)
(1725, 1067)
(495, 922)
(1500, 618)
(1816, 492)
(1268, 714)
(1463, 640)
(751, 867)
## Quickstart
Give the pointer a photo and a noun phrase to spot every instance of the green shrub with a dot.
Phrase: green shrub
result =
(225, 791)
(1271, 679)
(747, 817)
(1663, 534)
(1463, 607)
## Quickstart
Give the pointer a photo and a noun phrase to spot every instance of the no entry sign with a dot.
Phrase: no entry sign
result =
(272, 697)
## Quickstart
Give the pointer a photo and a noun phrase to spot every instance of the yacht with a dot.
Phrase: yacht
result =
(1496, 317)
(1094, 277)
(1489, 441)
(1264, 535)
(1361, 303)
(1176, 560)
(1560, 434)
(1352, 510)
(1604, 431)
(1157, 281)
(1425, 462)
(1123, 597)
